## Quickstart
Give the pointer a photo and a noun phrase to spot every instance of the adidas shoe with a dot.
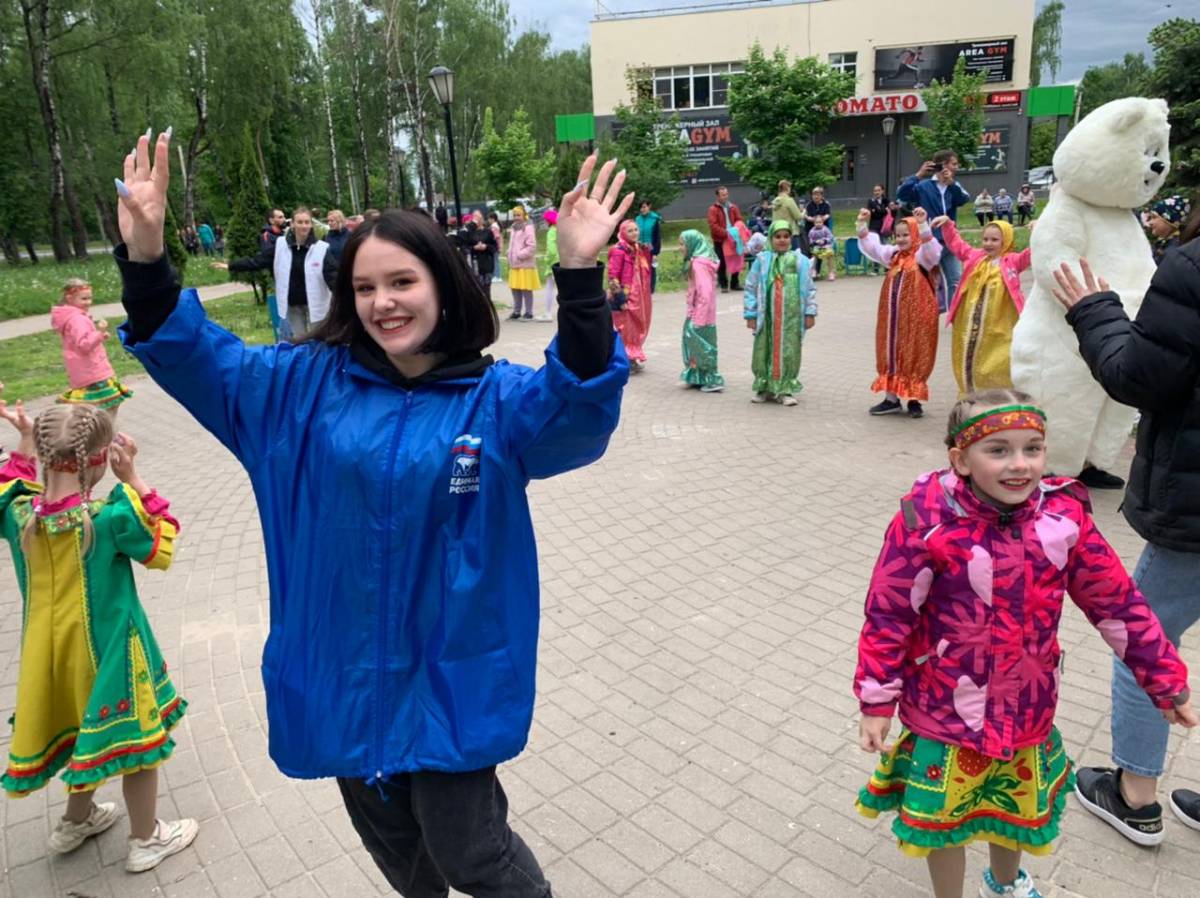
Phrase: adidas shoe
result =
(1099, 790)
(1186, 805)
(68, 836)
(1021, 887)
(169, 838)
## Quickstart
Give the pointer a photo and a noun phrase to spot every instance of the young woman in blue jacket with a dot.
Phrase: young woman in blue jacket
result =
(390, 459)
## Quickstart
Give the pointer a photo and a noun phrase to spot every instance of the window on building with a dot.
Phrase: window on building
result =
(844, 62)
(694, 86)
(849, 162)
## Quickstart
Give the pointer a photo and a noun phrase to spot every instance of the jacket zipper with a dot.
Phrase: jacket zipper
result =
(384, 590)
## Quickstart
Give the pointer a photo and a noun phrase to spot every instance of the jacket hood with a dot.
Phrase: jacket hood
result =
(61, 314)
(940, 497)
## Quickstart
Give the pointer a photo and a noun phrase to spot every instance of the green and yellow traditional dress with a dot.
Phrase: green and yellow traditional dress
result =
(779, 294)
(94, 699)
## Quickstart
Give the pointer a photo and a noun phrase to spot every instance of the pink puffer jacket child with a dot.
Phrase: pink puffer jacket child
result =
(522, 247)
(963, 613)
(82, 346)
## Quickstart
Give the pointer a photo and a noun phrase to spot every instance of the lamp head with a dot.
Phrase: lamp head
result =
(889, 125)
(441, 79)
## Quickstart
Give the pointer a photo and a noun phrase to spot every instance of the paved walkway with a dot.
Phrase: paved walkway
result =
(33, 324)
(695, 732)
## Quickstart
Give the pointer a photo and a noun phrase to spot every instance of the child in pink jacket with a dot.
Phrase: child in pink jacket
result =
(986, 305)
(961, 636)
(89, 372)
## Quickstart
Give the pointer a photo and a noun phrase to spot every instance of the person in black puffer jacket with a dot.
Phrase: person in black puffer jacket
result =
(1152, 363)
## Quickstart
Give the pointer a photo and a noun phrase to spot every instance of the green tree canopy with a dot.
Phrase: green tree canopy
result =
(250, 208)
(779, 106)
(956, 110)
(1112, 81)
(510, 165)
(1176, 78)
(649, 148)
(1047, 43)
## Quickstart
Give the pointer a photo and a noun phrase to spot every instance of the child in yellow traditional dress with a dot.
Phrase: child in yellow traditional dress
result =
(93, 696)
(986, 307)
(90, 373)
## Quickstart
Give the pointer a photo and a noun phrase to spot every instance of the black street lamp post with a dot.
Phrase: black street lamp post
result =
(441, 79)
(889, 125)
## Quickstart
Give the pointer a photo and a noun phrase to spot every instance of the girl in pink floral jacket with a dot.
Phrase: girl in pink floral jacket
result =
(961, 637)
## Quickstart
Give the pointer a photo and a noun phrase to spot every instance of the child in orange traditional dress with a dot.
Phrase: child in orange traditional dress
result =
(93, 696)
(906, 331)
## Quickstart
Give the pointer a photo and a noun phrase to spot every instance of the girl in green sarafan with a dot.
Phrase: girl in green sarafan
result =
(780, 305)
(700, 326)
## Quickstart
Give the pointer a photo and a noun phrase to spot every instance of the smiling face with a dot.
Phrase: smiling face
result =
(629, 231)
(79, 297)
(396, 300)
(992, 240)
(903, 237)
(301, 226)
(781, 240)
(1004, 467)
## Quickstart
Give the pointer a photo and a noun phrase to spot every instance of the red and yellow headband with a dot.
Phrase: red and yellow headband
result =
(70, 466)
(994, 420)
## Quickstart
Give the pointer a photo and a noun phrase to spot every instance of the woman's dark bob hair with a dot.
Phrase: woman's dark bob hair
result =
(468, 321)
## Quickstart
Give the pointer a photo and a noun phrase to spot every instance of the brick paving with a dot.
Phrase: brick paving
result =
(695, 731)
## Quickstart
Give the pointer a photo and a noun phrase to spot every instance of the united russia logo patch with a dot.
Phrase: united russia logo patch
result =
(464, 467)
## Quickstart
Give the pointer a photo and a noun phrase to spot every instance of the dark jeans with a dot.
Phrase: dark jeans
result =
(722, 276)
(1024, 213)
(430, 831)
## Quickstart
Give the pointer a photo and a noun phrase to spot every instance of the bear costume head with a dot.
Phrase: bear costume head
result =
(1118, 155)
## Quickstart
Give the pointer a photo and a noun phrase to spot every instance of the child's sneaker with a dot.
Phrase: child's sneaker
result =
(169, 838)
(1022, 887)
(68, 836)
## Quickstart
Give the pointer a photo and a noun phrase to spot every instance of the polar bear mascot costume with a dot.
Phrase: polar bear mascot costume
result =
(1110, 164)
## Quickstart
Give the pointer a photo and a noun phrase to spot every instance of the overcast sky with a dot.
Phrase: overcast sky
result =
(1094, 31)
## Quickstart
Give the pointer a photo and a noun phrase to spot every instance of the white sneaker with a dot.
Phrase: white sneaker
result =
(169, 838)
(1023, 887)
(760, 398)
(545, 316)
(711, 388)
(788, 399)
(68, 836)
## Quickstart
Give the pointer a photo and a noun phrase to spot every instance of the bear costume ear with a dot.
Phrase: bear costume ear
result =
(1128, 117)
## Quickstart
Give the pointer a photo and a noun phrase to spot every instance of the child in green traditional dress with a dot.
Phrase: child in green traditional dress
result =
(780, 308)
(94, 699)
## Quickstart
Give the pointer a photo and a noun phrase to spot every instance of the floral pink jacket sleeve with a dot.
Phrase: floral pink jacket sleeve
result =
(1105, 593)
(901, 581)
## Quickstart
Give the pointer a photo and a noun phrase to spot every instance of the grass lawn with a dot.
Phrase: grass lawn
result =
(33, 289)
(32, 366)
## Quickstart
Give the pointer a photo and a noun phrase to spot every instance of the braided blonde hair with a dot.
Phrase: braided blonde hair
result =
(67, 433)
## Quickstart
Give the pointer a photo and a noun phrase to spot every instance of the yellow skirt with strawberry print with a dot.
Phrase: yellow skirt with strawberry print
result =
(950, 795)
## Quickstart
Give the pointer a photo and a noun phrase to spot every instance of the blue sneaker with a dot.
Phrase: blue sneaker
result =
(1023, 887)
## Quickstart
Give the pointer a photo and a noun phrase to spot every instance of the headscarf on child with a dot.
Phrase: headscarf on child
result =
(696, 246)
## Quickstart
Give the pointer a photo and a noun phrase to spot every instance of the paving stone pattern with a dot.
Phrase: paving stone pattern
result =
(695, 732)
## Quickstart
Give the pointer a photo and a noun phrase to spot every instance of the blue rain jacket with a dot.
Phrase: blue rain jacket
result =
(400, 550)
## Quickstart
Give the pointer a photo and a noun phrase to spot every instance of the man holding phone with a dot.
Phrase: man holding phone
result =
(934, 189)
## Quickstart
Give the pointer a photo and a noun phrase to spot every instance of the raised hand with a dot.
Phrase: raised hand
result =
(1069, 291)
(864, 215)
(587, 220)
(142, 198)
(17, 416)
(939, 221)
(120, 457)
(920, 215)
